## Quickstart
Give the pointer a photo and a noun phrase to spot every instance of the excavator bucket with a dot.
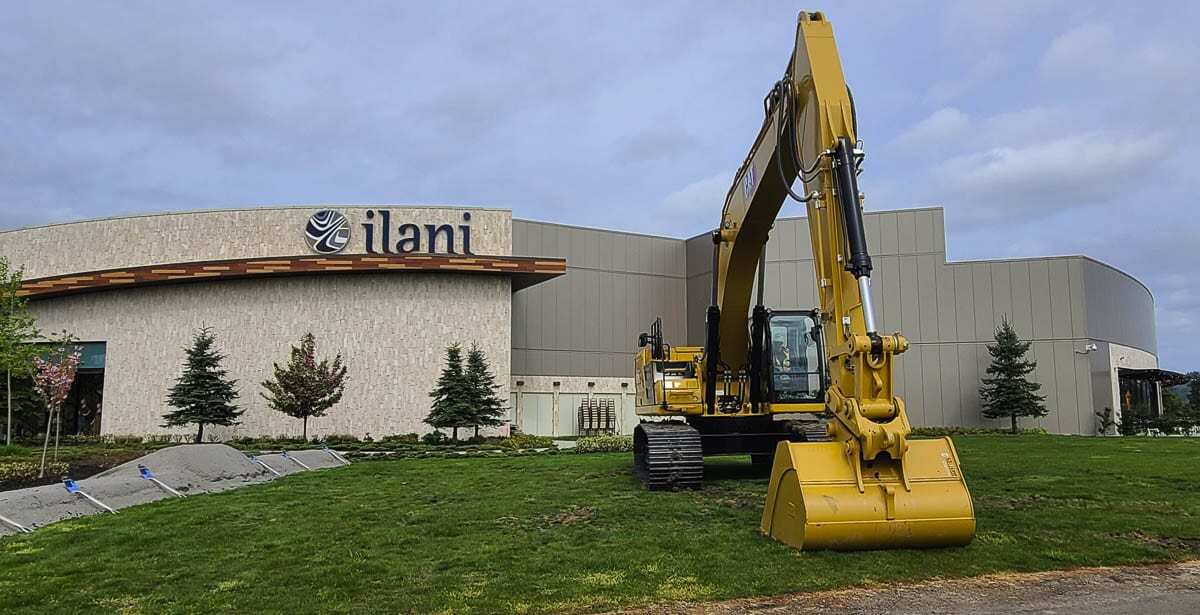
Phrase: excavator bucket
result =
(817, 500)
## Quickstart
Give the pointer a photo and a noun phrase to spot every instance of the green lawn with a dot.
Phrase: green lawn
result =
(575, 533)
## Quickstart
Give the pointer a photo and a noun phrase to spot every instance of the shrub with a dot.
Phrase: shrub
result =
(15, 450)
(523, 441)
(337, 439)
(407, 438)
(604, 444)
(28, 470)
(937, 432)
(434, 437)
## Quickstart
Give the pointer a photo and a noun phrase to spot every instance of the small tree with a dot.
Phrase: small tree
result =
(53, 377)
(452, 396)
(1007, 392)
(486, 407)
(1177, 416)
(202, 394)
(1194, 391)
(306, 388)
(17, 332)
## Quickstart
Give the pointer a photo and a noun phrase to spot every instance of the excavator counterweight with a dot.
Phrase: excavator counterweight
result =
(861, 482)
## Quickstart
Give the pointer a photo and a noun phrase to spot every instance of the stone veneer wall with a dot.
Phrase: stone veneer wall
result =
(220, 234)
(391, 329)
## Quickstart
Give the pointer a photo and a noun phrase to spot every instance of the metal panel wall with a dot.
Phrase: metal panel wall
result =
(1119, 309)
(949, 311)
(586, 322)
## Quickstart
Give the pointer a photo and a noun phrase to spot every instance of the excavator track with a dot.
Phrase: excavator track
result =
(668, 456)
(813, 431)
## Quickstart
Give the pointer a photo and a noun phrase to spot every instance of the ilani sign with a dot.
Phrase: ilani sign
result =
(328, 232)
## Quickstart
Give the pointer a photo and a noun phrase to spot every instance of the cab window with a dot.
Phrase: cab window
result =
(795, 359)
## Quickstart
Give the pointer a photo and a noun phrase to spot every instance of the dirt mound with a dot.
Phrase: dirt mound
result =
(188, 469)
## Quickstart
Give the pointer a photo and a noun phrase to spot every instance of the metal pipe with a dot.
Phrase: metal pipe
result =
(72, 487)
(262, 463)
(20, 528)
(145, 472)
(337, 456)
(293, 459)
(98, 502)
(864, 292)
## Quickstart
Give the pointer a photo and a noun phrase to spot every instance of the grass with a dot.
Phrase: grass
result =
(575, 533)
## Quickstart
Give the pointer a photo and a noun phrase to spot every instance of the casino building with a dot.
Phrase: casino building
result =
(556, 308)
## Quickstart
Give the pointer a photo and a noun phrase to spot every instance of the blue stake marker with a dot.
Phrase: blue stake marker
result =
(145, 472)
(72, 487)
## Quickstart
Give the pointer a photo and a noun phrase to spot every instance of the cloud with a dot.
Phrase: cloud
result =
(703, 195)
(1033, 117)
(655, 143)
(941, 126)
(1095, 51)
(983, 71)
(1027, 126)
(982, 23)
(697, 206)
(1048, 176)
(1083, 48)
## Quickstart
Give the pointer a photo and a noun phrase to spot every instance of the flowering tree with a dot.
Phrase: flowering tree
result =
(52, 379)
(306, 387)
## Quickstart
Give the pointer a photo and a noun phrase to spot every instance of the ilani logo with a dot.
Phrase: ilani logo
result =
(409, 238)
(327, 232)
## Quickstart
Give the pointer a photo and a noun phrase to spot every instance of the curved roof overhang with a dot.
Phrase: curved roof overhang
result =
(524, 271)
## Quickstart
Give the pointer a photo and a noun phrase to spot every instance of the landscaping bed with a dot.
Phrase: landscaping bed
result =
(19, 464)
(576, 533)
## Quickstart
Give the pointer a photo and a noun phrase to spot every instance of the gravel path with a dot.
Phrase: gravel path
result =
(1158, 589)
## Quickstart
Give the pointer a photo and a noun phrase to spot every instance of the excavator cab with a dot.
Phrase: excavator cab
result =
(796, 361)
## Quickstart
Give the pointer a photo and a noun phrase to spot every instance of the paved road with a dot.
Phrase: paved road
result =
(1157, 590)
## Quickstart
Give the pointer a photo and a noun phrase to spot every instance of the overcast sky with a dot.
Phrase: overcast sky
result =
(1042, 127)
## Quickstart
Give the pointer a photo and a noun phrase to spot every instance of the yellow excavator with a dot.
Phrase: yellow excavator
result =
(811, 390)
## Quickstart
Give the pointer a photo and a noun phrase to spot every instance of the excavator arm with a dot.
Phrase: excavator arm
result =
(871, 487)
(809, 134)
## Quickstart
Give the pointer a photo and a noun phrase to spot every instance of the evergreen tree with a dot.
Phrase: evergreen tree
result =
(1007, 392)
(306, 388)
(486, 408)
(1194, 391)
(202, 394)
(17, 332)
(1177, 416)
(452, 396)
